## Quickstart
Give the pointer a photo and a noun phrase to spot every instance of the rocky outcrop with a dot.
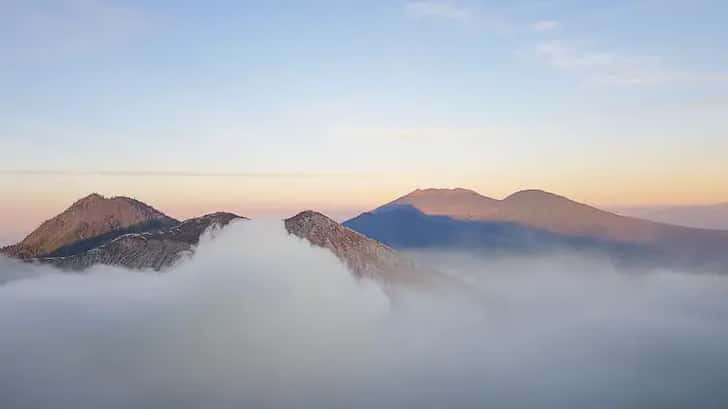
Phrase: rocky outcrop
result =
(156, 250)
(365, 258)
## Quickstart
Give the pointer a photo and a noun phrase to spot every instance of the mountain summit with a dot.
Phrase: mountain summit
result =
(151, 250)
(544, 210)
(117, 231)
(88, 222)
(456, 202)
(365, 258)
(530, 219)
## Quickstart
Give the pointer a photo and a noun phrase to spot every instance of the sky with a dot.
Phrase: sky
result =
(341, 106)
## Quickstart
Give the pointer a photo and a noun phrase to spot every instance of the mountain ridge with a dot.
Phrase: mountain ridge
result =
(364, 257)
(88, 222)
(533, 207)
(149, 250)
(161, 247)
(474, 217)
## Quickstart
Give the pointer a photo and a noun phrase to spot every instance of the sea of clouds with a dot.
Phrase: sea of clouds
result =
(260, 319)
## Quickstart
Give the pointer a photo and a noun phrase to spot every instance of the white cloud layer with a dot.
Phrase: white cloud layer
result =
(258, 318)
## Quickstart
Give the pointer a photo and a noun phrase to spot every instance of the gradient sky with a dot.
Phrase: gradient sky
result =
(342, 105)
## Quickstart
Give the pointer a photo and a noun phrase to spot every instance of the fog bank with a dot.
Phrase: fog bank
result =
(258, 318)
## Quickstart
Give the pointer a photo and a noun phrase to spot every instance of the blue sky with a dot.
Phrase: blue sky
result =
(614, 102)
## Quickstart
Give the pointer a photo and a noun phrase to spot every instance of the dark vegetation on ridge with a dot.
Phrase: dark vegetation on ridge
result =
(152, 250)
(83, 245)
(87, 223)
(117, 231)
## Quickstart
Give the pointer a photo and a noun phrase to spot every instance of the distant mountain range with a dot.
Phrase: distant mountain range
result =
(126, 232)
(534, 220)
(703, 217)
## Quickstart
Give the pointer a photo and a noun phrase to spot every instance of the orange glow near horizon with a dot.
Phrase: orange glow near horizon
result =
(38, 198)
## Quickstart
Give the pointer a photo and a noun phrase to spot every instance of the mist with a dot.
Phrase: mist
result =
(258, 318)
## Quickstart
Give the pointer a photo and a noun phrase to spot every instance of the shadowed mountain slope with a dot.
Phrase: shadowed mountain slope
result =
(88, 223)
(365, 258)
(406, 227)
(534, 219)
(548, 211)
(153, 250)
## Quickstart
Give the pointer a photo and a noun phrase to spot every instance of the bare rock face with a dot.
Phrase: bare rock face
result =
(88, 223)
(365, 258)
(156, 250)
